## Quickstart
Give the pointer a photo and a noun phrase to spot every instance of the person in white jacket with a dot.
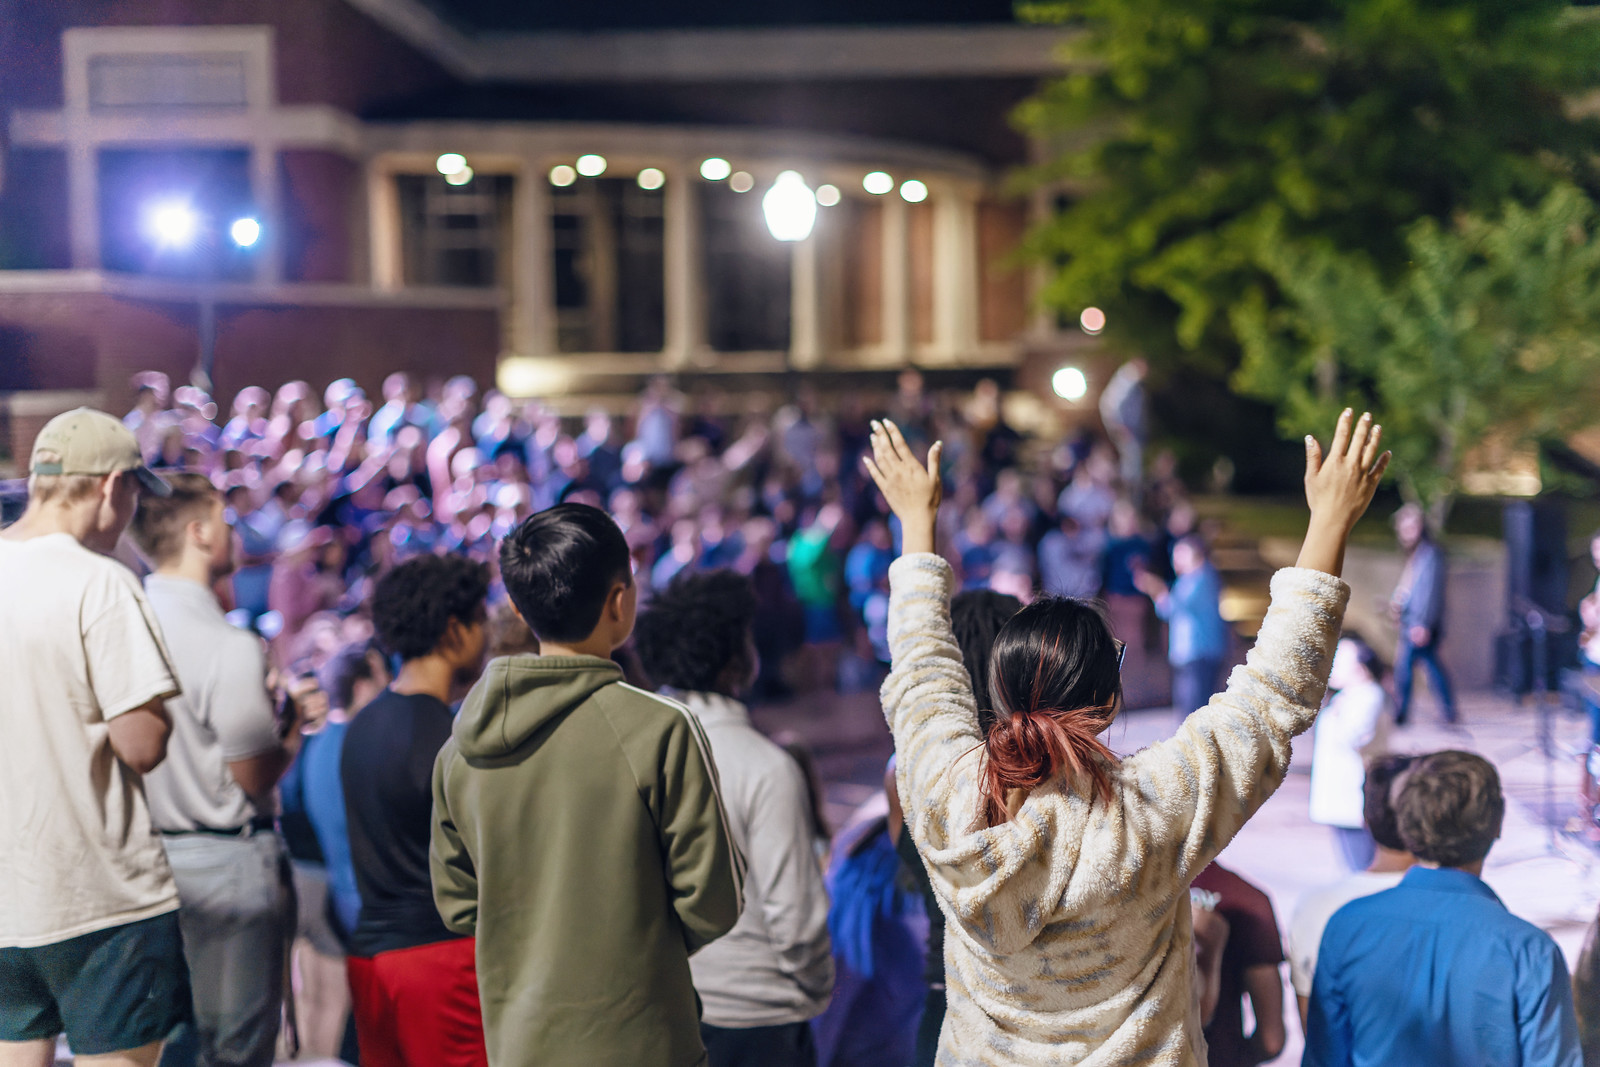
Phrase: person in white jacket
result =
(763, 981)
(1063, 872)
(1350, 733)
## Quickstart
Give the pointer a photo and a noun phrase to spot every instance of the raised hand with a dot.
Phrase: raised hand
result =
(912, 489)
(1339, 487)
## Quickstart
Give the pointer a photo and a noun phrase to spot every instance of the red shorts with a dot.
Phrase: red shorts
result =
(418, 1007)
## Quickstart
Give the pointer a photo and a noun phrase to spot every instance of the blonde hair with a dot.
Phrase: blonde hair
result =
(158, 525)
(62, 489)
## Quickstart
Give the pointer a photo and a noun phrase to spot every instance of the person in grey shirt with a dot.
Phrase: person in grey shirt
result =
(212, 798)
(766, 978)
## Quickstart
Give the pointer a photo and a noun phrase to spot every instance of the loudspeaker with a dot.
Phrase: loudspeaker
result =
(1536, 556)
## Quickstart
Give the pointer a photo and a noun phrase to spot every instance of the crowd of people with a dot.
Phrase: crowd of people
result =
(498, 731)
(329, 492)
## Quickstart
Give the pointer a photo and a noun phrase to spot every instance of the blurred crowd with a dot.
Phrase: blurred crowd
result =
(328, 492)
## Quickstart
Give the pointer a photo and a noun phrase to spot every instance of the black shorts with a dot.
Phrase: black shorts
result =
(109, 991)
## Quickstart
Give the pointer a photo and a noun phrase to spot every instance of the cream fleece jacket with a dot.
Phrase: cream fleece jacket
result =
(1069, 938)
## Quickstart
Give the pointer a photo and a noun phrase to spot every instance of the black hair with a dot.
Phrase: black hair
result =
(560, 565)
(695, 629)
(1055, 684)
(1366, 656)
(976, 616)
(1056, 654)
(1449, 808)
(346, 667)
(414, 603)
(1377, 809)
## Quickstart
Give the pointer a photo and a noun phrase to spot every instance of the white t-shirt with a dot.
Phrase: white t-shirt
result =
(1349, 732)
(224, 713)
(1311, 917)
(78, 647)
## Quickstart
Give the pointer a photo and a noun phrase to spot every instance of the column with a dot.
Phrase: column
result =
(83, 199)
(266, 179)
(955, 275)
(383, 229)
(805, 305)
(896, 280)
(533, 292)
(685, 280)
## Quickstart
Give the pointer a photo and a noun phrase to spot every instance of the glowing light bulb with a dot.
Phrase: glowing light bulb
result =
(245, 232)
(1093, 320)
(651, 178)
(790, 207)
(460, 177)
(715, 169)
(877, 183)
(741, 182)
(172, 224)
(450, 163)
(562, 175)
(1069, 383)
(913, 191)
(591, 165)
(828, 195)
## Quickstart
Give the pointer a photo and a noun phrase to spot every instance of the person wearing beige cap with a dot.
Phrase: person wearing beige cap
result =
(89, 937)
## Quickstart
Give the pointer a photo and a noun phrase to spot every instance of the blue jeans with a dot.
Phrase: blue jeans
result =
(1405, 664)
(1193, 685)
(236, 910)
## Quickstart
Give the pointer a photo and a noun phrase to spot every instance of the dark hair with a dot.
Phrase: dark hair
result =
(1365, 656)
(976, 617)
(414, 603)
(559, 565)
(695, 628)
(1377, 808)
(1449, 808)
(346, 667)
(1055, 686)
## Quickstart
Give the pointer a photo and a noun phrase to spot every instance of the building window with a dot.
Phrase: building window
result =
(152, 80)
(454, 235)
(34, 211)
(610, 270)
(169, 211)
(747, 274)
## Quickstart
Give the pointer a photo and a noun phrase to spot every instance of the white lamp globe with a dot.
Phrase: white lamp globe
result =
(790, 207)
(1069, 383)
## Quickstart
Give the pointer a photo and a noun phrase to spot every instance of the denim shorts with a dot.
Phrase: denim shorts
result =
(109, 991)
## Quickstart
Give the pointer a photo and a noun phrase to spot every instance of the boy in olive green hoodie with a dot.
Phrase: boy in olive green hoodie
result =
(578, 829)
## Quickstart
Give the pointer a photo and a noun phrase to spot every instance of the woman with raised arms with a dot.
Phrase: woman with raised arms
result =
(1063, 872)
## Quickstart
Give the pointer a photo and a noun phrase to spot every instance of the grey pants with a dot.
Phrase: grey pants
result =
(236, 910)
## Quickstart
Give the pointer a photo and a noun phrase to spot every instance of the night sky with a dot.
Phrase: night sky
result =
(510, 15)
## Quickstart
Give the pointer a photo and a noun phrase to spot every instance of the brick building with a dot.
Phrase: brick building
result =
(603, 220)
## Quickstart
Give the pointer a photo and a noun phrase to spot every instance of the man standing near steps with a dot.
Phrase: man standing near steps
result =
(212, 799)
(89, 940)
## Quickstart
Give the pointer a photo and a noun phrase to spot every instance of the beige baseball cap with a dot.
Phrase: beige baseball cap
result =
(86, 441)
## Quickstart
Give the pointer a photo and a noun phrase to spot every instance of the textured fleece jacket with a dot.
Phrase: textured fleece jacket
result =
(579, 832)
(1069, 939)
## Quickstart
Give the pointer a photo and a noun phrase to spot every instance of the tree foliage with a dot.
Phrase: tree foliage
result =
(1206, 144)
(1488, 330)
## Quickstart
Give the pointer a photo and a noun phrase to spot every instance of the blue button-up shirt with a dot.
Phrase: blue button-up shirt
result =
(1437, 971)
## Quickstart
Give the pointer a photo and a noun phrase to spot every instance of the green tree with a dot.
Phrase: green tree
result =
(1203, 143)
(1489, 330)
